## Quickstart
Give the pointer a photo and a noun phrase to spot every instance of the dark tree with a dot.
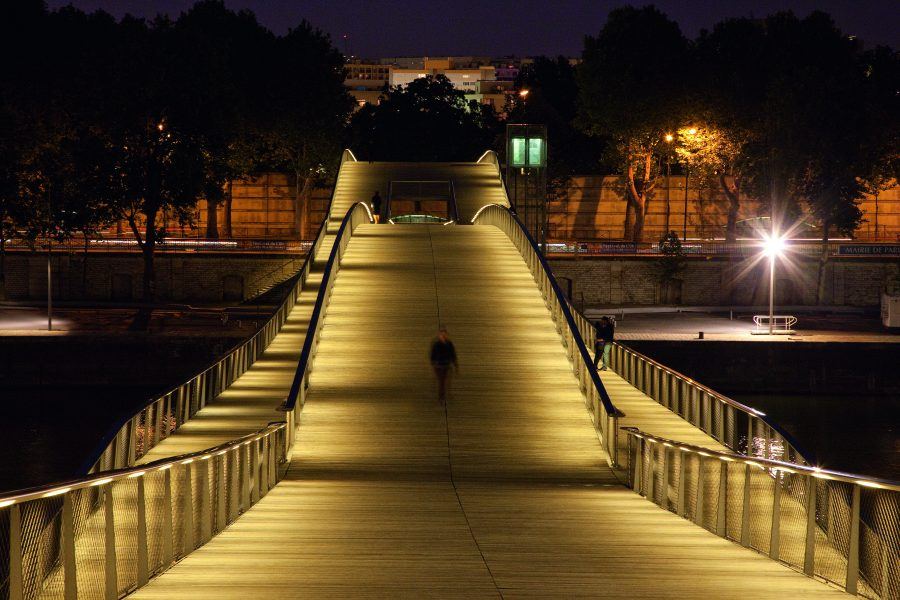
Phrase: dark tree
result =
(427, 120)
(632, 84)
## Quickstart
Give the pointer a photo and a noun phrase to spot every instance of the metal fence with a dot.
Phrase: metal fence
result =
(569, 324)
(842, 528)
(163, 415)
(106, 535)
(741, 428)
(741, 248)
(128, 243)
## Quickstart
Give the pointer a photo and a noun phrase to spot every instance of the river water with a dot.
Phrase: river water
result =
(855, 434)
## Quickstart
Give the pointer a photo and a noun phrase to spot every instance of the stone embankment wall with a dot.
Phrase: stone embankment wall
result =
(627, 281)
(180, 277)
(719, 282)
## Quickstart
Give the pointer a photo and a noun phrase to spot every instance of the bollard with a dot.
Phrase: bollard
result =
(700, 335)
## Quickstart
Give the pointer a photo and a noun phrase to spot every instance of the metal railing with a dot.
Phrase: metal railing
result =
(568, 323)
(740, 428)
(357, 214)
(105, 535)
(132, 438)
(839, 527)
(741, 248)
(128, 243)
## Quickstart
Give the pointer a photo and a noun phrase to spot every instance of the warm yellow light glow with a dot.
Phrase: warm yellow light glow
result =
(692, 131)
(669, 137)
(58, 492)
(870, 484)
(138, 474)
(102, 481)
(773, 245)
(5, 503)
(523, 93)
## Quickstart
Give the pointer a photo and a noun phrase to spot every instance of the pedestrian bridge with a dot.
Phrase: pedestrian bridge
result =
(314, 459)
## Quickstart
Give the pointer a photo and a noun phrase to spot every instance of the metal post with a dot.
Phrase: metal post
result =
(745, 508)
(168, 525)
(721, 529)
(205, 503)
(15, 553)
(70, 577)
(686, 175)
(809, 562)
(701, 482)
(682, 475)
(111, 575)
(772, 294)
(49, 287)
(142, 553)
(853, 550)
(775, 539)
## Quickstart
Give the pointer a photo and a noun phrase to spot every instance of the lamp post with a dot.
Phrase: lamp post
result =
(669, 138)
(687, 173)
(773, 247)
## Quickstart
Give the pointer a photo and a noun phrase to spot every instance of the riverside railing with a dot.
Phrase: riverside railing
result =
(741, 428)
(839, 527)
(105, 535)
(161, 416)
(568, 323)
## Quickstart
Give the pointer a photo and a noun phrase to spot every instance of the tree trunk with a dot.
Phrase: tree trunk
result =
(734, 205)
(637, 201)
(212, 220)
(629, 220)
(823, 264)
(226, 226)
(301, 203)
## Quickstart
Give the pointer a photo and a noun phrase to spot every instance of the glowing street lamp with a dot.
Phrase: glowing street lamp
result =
(773, 247)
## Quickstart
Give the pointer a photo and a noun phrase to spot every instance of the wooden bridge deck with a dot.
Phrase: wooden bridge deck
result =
(506, 493)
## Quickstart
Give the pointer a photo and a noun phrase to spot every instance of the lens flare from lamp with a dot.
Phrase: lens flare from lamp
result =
(773, 245)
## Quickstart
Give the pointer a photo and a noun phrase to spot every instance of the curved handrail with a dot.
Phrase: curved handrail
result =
(351, 220)
(751, 412)
(159, 416)
(555, 297)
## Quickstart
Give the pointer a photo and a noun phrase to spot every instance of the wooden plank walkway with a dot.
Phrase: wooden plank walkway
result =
(506, 493)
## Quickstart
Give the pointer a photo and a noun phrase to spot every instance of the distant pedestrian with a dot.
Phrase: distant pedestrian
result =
(443, 356)
(605, 332)
(376, 206)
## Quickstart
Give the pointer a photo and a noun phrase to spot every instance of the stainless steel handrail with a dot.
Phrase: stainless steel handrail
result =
(836, 526)
(605, 414)
(356, 215)
(107, 534)
(159, 417)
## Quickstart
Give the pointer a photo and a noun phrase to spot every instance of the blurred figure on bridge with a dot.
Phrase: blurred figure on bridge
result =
(376, 206)
(443, 356)
(606, 330)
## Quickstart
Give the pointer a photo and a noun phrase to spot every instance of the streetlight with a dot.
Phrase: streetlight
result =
(773, 247)
(669, 139)
(523, 94)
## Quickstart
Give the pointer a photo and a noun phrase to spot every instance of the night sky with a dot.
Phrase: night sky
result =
(378, 28)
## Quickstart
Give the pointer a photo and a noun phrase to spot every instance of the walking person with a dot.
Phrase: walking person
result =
(376, 206)
(443, 356)
(605, 332)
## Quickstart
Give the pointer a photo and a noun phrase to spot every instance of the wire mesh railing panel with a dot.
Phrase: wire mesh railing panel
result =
(158, 511)
(760, 512)
(879, 563)
(40, 523)
(691, 481)
(734, 500)
(792, 517)
(89, 542)
(124, 493)
(709, 493)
